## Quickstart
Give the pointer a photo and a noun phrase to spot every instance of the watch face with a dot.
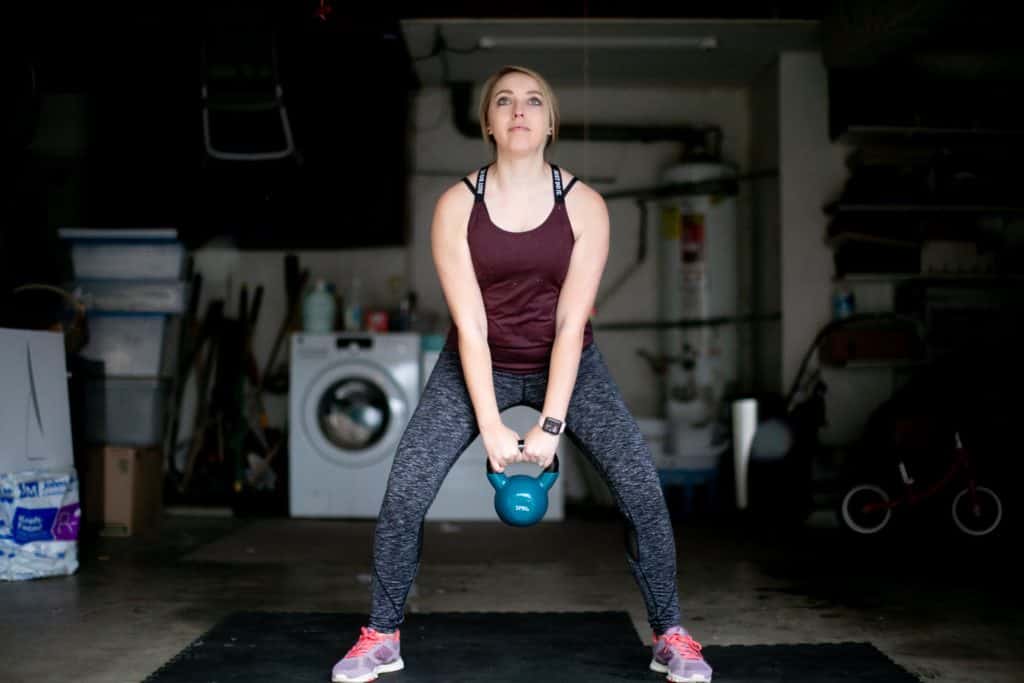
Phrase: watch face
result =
(552, 426)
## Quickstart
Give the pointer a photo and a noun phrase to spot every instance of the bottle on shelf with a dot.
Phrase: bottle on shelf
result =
(844, 303)
(354, 306)
(318, 309)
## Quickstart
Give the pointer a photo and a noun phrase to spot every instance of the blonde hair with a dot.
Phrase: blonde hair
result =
(545, 89)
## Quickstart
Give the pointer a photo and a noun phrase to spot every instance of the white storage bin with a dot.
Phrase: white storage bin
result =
(124, 411)
(126, 261)
(134, 296)
(98, 254)
(127, 345)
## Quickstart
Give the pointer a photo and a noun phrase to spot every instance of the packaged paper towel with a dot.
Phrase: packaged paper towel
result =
(39, 519)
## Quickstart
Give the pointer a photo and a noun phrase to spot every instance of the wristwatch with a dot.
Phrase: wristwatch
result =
(551, 425)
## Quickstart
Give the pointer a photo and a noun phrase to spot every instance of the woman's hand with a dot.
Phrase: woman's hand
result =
(501, 445)
(540, 447)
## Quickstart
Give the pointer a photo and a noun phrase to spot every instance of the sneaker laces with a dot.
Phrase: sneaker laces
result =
(684, 645)
(368, 639)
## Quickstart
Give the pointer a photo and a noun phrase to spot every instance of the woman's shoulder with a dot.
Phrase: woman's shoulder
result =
(585, 206)
(458, 198)
(463, 188)
(581, 195)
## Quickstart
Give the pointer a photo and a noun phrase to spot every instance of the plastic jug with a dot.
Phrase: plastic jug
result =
(318, 309)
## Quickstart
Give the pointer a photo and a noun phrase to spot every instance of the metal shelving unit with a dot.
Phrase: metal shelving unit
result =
(856, 278)
(833, 208)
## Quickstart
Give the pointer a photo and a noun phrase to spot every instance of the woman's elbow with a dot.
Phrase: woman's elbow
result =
(570, 329)
(473, 331)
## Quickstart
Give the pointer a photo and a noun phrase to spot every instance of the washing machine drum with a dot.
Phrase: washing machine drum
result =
(354, 415)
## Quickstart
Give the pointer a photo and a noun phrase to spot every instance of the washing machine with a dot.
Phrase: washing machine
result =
(351, 396)
(466, 495)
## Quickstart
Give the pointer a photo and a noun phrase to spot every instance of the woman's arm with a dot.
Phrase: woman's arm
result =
(465, 303)
(589, 215)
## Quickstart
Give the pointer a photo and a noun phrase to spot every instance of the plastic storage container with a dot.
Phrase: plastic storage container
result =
(125, 254)
(134, 296)
(124, 411)
(128, 345)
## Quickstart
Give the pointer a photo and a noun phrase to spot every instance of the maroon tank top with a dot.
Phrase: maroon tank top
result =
(520, 276)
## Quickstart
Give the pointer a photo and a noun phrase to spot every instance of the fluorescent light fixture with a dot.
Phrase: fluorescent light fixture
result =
(613, 42)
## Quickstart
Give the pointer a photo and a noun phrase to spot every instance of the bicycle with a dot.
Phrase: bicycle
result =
(977, 510)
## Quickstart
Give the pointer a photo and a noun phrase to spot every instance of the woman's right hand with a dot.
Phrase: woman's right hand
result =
(501, 445)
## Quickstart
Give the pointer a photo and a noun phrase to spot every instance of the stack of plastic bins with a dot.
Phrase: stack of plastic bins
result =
(131, 283)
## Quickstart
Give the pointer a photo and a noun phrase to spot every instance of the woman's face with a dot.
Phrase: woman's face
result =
(517, 114)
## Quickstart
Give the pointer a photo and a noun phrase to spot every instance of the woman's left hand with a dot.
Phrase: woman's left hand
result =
(540, 447)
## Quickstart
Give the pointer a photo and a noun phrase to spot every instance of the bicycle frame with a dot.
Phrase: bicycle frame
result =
(913, 496)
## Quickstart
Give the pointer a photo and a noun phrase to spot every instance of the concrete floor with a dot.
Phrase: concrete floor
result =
(944, 609)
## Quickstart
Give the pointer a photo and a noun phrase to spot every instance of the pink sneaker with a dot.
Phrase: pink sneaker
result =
(374, 653)
(678, 655)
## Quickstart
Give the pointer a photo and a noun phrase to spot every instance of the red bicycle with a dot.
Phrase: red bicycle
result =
(977, 510)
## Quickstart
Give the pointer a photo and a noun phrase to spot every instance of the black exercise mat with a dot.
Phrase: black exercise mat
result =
(596, 647)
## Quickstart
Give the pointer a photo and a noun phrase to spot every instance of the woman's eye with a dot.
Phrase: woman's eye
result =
(535, 100)
(502, 100)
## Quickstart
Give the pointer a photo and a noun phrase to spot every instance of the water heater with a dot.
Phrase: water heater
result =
(697, 283)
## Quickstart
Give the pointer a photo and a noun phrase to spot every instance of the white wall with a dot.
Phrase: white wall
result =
(812, 172)
(441, 155)
(765, 259)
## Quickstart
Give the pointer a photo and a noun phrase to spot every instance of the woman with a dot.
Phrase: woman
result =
(520, 255)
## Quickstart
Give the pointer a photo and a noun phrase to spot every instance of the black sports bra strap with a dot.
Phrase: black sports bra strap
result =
(569, 186)
(481, 182)
(470, 186)
(556, 181)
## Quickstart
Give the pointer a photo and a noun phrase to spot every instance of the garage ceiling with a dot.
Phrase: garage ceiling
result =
(604, 52)
(83, 46)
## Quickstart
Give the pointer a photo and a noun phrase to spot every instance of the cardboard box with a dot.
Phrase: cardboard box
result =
(123, 489)
(35, 419)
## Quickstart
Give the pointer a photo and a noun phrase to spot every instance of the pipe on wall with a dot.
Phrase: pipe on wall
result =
(698, 141)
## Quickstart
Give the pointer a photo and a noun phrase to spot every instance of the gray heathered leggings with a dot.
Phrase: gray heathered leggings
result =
(442, 427)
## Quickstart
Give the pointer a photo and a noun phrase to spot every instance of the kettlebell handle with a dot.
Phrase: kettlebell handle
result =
(551, 468)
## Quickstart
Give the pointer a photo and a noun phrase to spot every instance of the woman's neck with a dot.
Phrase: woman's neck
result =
(519, 174)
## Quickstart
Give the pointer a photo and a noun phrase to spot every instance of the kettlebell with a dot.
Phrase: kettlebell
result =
(521, 500)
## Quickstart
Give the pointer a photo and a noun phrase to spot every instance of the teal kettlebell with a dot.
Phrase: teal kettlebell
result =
(521, 500)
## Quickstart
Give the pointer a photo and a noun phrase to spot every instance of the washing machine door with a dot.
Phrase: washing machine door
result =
(354, 414)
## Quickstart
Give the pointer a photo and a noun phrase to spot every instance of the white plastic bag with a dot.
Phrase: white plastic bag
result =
(39, 521)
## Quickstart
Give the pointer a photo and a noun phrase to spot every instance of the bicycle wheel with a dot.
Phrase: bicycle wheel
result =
(865, 509)
(983, 516)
